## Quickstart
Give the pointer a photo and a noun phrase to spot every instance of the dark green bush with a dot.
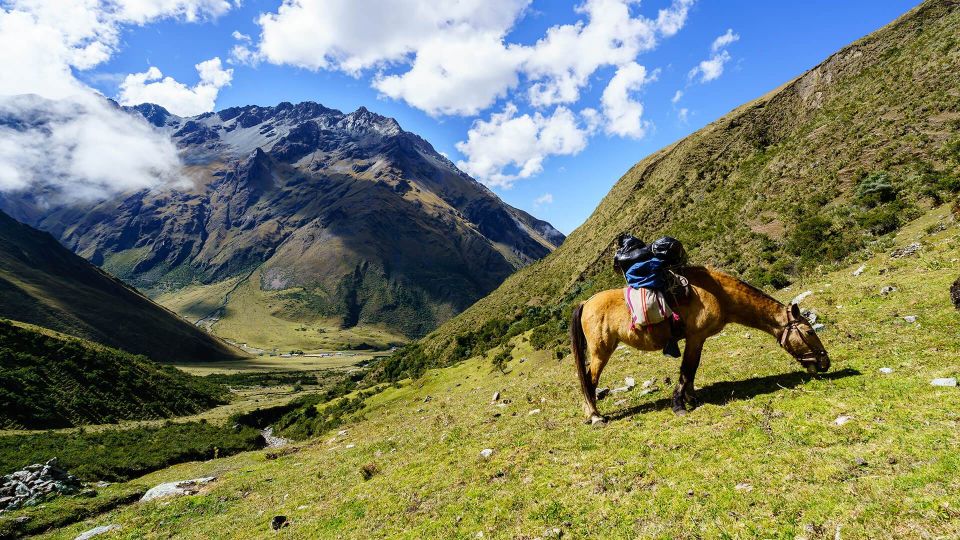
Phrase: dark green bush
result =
(876, 188)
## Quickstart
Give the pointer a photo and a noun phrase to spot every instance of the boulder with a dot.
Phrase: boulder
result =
(97, 531)
(180, 487)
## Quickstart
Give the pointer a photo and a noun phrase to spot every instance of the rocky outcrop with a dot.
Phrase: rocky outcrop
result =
(35, 484)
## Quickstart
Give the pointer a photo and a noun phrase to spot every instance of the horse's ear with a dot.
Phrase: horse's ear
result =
(795, 311)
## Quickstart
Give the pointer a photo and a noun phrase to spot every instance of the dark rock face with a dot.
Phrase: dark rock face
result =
(955, 293)
(366, 221)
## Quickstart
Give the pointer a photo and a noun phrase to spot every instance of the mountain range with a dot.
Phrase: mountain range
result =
(301, 224)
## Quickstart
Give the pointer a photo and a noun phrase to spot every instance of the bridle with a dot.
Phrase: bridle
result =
(793, 325)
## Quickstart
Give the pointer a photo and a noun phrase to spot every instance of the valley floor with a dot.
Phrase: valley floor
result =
(766, 456)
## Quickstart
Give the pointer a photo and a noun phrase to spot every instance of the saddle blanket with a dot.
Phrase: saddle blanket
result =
(646, 306)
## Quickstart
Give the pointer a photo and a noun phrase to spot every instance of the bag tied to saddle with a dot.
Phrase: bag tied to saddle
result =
(647, 307)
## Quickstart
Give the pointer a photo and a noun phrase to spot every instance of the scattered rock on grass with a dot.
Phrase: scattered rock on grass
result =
(97, 531)
(801, 297)
(886, 370)
(496, 397)
(887, 289)
(602, 392)
(180, 487)
(486, 452)
(818, 327)
(533, 412)
(944, 381)
(910, 318)
(905, 251)
(859, 270)
(743, 486)
(842, 419)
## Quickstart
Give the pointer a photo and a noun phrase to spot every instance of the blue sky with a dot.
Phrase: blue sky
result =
(768, 44)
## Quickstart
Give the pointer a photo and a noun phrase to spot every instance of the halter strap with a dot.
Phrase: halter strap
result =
(793, 326)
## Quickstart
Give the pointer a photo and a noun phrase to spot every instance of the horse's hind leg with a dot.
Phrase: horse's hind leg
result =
(684, 393)
(599, 356)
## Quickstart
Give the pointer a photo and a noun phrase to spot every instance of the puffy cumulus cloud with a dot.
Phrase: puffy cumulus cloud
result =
(623, 113)
(80, 149)
(445, 78)
(152, 87)
(459, 62)
(712, 68)
(562, 62)
(353, 35)
(65, 137)
(510, 146)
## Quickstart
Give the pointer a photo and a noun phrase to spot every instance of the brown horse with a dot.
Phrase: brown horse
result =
(715, 300)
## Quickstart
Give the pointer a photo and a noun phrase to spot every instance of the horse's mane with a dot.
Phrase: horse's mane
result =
(721, 283)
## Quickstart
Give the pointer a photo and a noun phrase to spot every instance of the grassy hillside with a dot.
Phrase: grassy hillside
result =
(762, 458)
(43, 283)
(50, 380)
(801, 179)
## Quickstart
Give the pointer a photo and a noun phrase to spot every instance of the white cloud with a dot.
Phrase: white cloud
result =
(353, 35)
(546, 198)
(724, 40)
(712, 68)
(240, 36)
(459, 62)
(445, 78)
(152, 87)
(563, 61)
(81, 149)
(509, 147)
(676, 97)
(683, 114)
(79, 145)
(622, 112)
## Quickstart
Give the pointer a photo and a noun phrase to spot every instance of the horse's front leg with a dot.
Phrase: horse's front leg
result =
(684, 393)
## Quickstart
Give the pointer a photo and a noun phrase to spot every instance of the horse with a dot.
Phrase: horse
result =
(714, 300)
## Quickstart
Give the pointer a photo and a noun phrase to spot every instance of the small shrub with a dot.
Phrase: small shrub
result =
(368, 470)
(875, 189)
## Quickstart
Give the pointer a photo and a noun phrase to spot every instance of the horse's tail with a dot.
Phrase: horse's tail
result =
(578, 344)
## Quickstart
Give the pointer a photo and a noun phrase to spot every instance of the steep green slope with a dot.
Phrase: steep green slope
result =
(43, 283)
(762, 458)
(50, 380)
(803, 177)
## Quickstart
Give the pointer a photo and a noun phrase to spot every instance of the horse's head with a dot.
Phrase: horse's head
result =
(800, 340)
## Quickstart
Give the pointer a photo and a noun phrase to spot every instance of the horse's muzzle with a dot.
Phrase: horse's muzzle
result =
(818, 365)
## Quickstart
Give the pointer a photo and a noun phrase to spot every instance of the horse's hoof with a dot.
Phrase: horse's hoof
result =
(693, 402)
(598, 420)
